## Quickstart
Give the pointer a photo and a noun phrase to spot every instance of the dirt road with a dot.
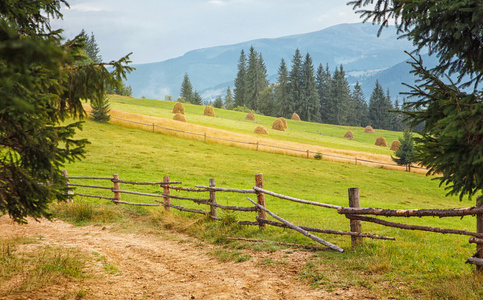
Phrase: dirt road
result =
(167, 266)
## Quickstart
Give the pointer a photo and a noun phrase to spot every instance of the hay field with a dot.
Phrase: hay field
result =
(240, 133)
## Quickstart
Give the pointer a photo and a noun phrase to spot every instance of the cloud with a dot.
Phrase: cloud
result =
(87, 8)
(217, 2)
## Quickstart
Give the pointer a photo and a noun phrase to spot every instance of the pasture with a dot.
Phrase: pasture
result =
(416, 265)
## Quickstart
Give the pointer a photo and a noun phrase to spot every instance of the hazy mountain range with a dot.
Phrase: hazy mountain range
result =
(364, 56)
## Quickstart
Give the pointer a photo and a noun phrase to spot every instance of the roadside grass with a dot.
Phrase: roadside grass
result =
(416, 265)
(27, 269)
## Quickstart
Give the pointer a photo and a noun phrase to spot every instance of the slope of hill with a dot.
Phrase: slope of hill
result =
(212, 70)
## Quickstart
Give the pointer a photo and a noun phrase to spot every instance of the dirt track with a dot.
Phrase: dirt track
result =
(168, 266)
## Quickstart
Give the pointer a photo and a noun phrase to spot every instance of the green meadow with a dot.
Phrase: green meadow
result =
(416, 265)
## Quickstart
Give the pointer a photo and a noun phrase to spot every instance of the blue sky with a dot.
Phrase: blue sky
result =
(156, 30)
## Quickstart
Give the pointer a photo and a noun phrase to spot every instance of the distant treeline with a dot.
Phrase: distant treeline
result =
(316, 96)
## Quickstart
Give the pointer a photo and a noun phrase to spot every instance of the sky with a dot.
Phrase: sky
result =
(157, 30)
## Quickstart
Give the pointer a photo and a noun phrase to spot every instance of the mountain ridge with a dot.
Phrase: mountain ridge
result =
(211, 70)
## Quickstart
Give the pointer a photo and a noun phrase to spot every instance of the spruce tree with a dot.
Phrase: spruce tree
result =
(267, 101)
(281, 91)
(240, 81)
(324, 86)
(186, 91)
(360, 106)
(197, 98)
(310, 104)
(44, 81)
(450, 141)
(295, 84)
(339, 98)
(100, 111)
(405, 154)
(92, 48)
(218, 103)
(377, 109)
(228, 101)
(255, 79)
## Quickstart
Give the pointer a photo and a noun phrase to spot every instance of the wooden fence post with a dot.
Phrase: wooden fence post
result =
(153, 127)
(308, 154)
(355, 225)
(167, 199)
(257, 146)
(64, 173)
(260, 199)
(356, 161)
(205, 137)
(117, 195)
(479, 229)
(213, 200)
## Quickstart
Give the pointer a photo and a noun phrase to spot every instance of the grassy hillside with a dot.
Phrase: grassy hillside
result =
(416, 265)
(330, 136)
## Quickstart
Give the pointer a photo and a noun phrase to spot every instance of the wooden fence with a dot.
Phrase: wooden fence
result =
(354, 213)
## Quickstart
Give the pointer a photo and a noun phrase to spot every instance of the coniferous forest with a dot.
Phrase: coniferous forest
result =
(315, 94)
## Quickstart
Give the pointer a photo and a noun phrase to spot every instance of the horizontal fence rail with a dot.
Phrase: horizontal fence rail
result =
(354, 213)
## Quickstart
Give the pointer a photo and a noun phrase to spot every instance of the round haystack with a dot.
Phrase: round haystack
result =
(279, 125)
(295, 117)
(349, 135)
(261, 130)
(250, 116)
(395, 145)
(381, 141)
(369, 129)
(209, 111)
(284, 122)
(178, 108)
(179, 117)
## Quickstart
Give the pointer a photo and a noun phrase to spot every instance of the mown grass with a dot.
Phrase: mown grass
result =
(416, 265)
(326, 135)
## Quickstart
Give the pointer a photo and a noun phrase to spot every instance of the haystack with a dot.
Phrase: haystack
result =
(209, 111)
(295, 117)
(284, 122)
(369, 129)
(381, 141)
(279, 124)
(261, 130)
(179, 117)
(349, 135)
(178, 108)
(395, 145)
(250, 116)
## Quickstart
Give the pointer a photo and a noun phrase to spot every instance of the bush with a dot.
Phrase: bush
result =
(318, 156)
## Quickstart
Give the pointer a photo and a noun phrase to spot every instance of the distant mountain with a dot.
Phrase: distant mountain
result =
(365, 58)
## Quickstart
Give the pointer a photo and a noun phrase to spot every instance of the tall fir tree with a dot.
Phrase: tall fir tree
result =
(255, 79)
(267, 101)
(229, 101)
(295, 84)
(43, 83)
(339, 99)
(197, 99)
(360, 106)
(186, 91)
(310, 103)
(91, 47)
(281, 91)
(324, 83)
(379, 107)
(240, 88)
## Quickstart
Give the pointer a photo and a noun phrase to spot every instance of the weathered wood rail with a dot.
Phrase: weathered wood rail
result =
(354, 213)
